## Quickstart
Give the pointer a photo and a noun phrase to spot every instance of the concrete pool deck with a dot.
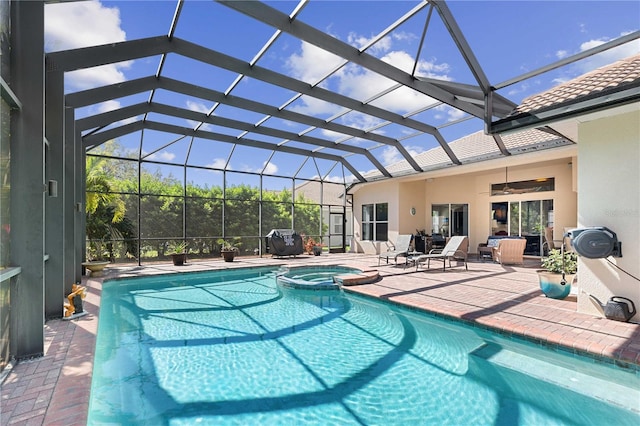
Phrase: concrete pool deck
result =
(54, 389)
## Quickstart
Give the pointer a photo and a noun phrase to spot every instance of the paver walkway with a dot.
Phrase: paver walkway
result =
(54, 389)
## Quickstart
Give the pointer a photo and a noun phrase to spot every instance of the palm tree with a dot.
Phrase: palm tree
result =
(99, 190)
(106, 210)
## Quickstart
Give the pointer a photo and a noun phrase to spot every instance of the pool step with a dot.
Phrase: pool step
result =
(551, 385)
(364, 277)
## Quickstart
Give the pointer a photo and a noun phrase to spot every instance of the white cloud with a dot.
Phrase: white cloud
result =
(331, 135)
(95, 77)
(270, 168)
(314, 106)
(267, 168)
(593, 62)
(361, 121)
(71, 25)
(218, 163)
(391, 155)
(111, 105)
(358, 41)
(385, 44)
(198, 107)
(362, 84)
(161, 156)
(560, 54)
(339, 179)
(312, 63)
(107, 106)
(452, 114)
(560, 80)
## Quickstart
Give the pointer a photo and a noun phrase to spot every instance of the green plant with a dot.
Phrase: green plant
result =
(177, 247)
(553, 262)
(310, 243)
(97, 251)
(226, 246)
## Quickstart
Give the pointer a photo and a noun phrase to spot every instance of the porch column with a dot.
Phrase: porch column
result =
(27, 179)
(55, 232)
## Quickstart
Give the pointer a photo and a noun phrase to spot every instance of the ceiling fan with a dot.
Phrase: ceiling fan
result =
(507, 189)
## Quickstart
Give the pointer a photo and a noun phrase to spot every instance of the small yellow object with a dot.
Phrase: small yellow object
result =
(76, 290)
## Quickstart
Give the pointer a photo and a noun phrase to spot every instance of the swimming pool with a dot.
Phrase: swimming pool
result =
(231, 347)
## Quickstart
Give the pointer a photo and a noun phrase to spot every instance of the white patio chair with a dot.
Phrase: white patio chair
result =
(457, 247)
(400, 249)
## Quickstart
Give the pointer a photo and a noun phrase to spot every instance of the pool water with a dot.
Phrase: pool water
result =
(231, 347)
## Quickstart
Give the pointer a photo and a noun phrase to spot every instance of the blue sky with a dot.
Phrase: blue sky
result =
(509, 38)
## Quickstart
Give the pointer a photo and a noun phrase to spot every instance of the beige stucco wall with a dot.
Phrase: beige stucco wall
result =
(609, 195)
(383, 192)
(470, 188)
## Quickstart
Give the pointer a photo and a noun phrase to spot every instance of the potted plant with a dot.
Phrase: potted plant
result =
(313, 247)
(97, 257)
(317, 249)
(228, 251)
(178, 252)
(559, 271)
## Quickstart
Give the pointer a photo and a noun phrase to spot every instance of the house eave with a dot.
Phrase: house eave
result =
(565, 111)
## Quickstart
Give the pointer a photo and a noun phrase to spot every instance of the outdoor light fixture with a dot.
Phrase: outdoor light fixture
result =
(52, 188)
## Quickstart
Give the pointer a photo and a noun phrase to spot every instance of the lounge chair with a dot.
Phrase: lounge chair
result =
(510, 251)
(400, 249)
(457, 247)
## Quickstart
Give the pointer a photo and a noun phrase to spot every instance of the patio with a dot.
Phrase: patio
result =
(55, 389)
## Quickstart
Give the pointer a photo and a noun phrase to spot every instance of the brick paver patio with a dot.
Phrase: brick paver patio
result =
(54, 389)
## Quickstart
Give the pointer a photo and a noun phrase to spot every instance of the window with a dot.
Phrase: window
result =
(336, 223)
(450, 219)
(523, 187)
(528, 219)
(375, 222)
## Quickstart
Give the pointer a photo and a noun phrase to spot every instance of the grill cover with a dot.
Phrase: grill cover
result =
(284, 242)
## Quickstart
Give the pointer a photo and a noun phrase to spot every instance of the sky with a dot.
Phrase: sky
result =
(508, 38)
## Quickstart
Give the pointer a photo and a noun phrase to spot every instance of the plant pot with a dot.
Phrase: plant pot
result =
(553, 286)
(228, 255)
(96, 267)
(179, 258)
(317, 250)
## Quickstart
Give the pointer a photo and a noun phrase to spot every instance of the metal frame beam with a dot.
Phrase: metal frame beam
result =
(144, 108)
(116, 52)
(99, 138)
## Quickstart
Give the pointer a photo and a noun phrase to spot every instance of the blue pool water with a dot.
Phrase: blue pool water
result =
(232, 347)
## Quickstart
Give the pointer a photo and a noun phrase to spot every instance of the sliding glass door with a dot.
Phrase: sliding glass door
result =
(526, 219)
(450, 219)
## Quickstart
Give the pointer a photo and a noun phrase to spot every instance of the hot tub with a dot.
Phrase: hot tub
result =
(324, 277)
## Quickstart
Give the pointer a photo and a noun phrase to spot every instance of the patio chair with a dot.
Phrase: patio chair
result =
(457, 247)
(548, 244)
(400, 249)
(510, 251)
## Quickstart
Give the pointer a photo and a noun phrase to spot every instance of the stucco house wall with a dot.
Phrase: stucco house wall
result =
(609, 195)
(383, 192)
(472, 188)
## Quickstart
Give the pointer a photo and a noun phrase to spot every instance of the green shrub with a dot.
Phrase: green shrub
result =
(553, 262)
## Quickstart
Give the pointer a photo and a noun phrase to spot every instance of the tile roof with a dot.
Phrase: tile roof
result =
(479, 146)
(620, 75)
